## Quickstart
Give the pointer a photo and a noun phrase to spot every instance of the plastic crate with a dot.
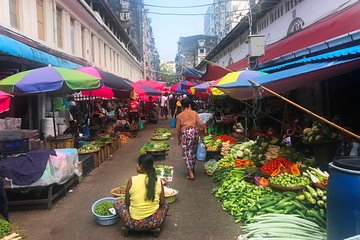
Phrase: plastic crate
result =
(9, 147)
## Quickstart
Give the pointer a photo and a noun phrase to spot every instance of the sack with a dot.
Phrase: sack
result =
(141, 125)
(173, 123)
(201, 151)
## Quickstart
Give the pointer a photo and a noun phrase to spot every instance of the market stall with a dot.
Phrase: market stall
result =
(265, 178)
(40, 176)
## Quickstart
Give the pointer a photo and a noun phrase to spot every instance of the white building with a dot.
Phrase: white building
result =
(222, 16)
(63, 33)
(81, 30)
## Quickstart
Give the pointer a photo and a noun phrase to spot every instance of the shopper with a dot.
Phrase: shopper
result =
(179, 107)
(172, 104)
(164, 106)
(188, 125)
(144, 207)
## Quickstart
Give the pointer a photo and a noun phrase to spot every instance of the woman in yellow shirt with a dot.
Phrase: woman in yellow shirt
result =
(144, 207)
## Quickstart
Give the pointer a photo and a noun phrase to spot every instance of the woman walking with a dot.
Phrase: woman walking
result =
(188, 126)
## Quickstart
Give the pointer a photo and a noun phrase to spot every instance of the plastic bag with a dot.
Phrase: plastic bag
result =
(201, 151)
(211, 166)
(141, 125)
(172, 122)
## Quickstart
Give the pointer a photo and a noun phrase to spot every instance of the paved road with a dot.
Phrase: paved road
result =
(195, 214)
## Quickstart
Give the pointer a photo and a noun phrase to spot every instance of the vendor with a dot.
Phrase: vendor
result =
(73, 129)
(144, 207)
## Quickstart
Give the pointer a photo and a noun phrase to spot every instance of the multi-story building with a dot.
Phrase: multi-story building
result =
(308, 51)
(63, 33)
(192, 50)
(134, 19)
(222, 16)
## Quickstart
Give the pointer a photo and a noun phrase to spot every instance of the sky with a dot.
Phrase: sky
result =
(167, 29)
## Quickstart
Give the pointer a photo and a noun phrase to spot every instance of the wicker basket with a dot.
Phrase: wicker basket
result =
(60, 143)
(118, 191)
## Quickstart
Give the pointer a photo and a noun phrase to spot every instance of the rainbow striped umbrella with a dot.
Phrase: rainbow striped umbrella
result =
(48, 79)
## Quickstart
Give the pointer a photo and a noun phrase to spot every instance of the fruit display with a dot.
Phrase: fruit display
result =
(88, 148)
(123, 138)
(225, 148)
(289, 180)
(319, 132)
(226, 138)
(154, 147)
(212, 144)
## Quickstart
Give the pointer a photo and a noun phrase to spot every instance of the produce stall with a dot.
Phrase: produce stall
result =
(266, 179)
(158, 149)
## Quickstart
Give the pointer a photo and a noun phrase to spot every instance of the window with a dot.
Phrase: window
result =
(14, 13)
(202, 51)
(72, 35)
(40, 19)
(59, 32)
(287, 6)
(83, 42)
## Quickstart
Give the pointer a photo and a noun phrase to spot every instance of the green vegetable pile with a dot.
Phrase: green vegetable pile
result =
(102, 209)
(319, 132)
(5, 228)
(151, 146)
(283, 226)
(289, 180)
(88, 148)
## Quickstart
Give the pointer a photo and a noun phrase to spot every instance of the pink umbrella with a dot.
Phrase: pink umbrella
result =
(153, 84)
(4, 101)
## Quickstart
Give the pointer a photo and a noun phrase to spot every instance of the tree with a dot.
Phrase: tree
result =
(167, 72)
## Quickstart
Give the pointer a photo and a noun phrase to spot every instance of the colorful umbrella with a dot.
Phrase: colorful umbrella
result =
(4, 101)
(238, 79)
(153, 84)
(48, 79)
(236, 84)
(143, 90)
(206, 88)
(174, 87)
(187, 84)
(109, 80)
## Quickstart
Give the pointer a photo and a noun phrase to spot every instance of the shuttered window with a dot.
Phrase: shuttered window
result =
(14, 13)
(40, 19)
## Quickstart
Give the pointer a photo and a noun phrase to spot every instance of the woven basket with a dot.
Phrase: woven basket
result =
(60, 143)
(118, 191)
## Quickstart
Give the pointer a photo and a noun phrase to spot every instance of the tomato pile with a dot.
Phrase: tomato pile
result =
(269, 167)
(226, 138)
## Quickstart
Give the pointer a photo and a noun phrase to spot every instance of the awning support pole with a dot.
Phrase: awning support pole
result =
(306, 110)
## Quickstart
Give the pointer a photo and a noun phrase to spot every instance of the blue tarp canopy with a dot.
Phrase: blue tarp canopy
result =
(296, 77)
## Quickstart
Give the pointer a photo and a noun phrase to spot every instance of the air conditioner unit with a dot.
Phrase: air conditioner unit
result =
(256, 45)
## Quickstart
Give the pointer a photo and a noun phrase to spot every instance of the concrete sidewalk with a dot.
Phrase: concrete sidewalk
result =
(195, 214)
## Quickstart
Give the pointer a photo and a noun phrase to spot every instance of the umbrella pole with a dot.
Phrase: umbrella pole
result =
(307, 111)
(246, 121)
(53, 116)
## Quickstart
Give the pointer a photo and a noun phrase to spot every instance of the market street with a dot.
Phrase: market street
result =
(195, 214)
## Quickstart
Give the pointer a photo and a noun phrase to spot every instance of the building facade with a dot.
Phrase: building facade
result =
(63, 33)
(222, 16)
(134, 19)
(192, 50)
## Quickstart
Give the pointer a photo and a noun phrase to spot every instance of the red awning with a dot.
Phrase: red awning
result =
(332, 26)
(214, 72)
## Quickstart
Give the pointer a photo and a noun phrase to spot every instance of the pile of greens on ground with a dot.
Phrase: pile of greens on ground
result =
(5, 228)
(154, 146)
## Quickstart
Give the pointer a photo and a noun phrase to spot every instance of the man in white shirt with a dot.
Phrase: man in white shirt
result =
(164, 106)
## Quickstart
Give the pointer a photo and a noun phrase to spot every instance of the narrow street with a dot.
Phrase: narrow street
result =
(195, 214)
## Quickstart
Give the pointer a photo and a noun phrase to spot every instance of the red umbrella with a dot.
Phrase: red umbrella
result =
(153, 84)
(4, 101)
(187, 84)
(143, 90)
(174, 87)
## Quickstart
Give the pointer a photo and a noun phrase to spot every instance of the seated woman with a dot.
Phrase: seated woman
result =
(144, 207)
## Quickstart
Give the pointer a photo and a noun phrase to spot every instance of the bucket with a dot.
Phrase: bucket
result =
(173, 123)
(343, 198)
